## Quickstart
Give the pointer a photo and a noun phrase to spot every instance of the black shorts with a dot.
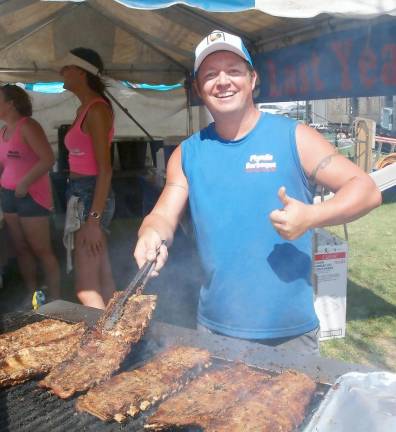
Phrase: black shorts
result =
(23, 207)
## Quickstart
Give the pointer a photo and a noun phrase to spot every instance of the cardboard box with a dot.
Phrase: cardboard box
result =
(330, 260)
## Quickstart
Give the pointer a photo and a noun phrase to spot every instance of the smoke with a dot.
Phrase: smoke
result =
(178, 283)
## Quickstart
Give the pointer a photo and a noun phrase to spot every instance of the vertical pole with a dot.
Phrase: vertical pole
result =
(394, 114)
(353, 109)
(188, 90)
(307, 112)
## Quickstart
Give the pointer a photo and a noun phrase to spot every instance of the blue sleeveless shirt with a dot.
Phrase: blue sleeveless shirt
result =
(257, 285)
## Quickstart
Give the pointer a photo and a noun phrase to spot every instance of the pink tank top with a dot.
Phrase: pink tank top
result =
(17, 159)
(81, 152)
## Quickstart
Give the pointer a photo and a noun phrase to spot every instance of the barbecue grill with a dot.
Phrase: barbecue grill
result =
(26, 407)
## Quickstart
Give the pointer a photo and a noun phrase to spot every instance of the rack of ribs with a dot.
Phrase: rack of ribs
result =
(278, 405)
(131, 392)
(207, 397)
(238, 399)
(34, 334)
(101, 351)
(35, 349)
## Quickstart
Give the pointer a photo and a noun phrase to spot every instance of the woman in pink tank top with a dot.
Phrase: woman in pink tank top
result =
(89, 141)
(26, 199)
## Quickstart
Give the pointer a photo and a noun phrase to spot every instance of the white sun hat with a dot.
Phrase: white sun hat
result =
(71, 59)
(220, 41)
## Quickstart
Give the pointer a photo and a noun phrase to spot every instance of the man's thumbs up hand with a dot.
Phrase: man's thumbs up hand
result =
(293, 219)
(285, 199)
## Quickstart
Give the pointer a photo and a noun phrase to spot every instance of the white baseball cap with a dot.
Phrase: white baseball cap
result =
(220, 41)
(71, 59)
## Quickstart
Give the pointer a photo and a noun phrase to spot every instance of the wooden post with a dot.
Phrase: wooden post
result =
(364, 136)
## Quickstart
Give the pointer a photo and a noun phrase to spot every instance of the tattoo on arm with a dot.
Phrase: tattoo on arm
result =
(322, 164)
(176, 185)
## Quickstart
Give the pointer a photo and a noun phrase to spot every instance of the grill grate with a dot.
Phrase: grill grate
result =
(26, 407)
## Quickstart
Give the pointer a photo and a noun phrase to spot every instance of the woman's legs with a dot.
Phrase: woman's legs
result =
(37, 234)
(93, 277)
(24, 254)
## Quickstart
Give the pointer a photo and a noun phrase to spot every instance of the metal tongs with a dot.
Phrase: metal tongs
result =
(136, 286)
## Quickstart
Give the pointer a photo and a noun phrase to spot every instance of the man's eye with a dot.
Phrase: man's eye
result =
(209, 75)
(234, 72)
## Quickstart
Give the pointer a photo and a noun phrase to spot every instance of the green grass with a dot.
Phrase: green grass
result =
(371, 292)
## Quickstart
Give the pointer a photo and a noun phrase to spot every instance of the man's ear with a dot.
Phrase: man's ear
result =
(255, 79)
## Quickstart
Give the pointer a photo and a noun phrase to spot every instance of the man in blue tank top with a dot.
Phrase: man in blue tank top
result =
(248, 179)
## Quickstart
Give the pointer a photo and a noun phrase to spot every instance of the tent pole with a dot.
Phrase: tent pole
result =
(125, 110)
(154, 144)
(188, 89)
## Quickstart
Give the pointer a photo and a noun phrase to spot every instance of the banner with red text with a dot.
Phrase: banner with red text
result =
(358, 62)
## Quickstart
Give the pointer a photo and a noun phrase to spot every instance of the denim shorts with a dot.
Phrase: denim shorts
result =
(84, 188)
(23, 207)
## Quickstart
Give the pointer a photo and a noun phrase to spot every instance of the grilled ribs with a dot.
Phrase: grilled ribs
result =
(32, 335)
(101, 351)
(42, 352)
(134, 391)
(277, 405)
(207, 397)
(238, 399)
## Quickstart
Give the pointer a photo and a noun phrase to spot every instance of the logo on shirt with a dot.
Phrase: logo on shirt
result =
(76, 152)
(13, 154)
(260, 163)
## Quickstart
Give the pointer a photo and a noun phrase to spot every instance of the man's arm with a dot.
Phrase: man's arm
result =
(355, 192)
(161, 223)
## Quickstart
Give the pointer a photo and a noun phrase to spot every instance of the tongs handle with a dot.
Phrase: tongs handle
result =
(136, 286)
(138, 283)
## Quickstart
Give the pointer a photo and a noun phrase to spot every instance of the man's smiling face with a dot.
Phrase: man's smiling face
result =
(225, 83)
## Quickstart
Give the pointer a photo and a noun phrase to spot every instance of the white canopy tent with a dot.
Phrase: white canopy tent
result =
(153, 41)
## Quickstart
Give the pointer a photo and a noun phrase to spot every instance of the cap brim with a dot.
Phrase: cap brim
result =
(70, 59)
(219, 46)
